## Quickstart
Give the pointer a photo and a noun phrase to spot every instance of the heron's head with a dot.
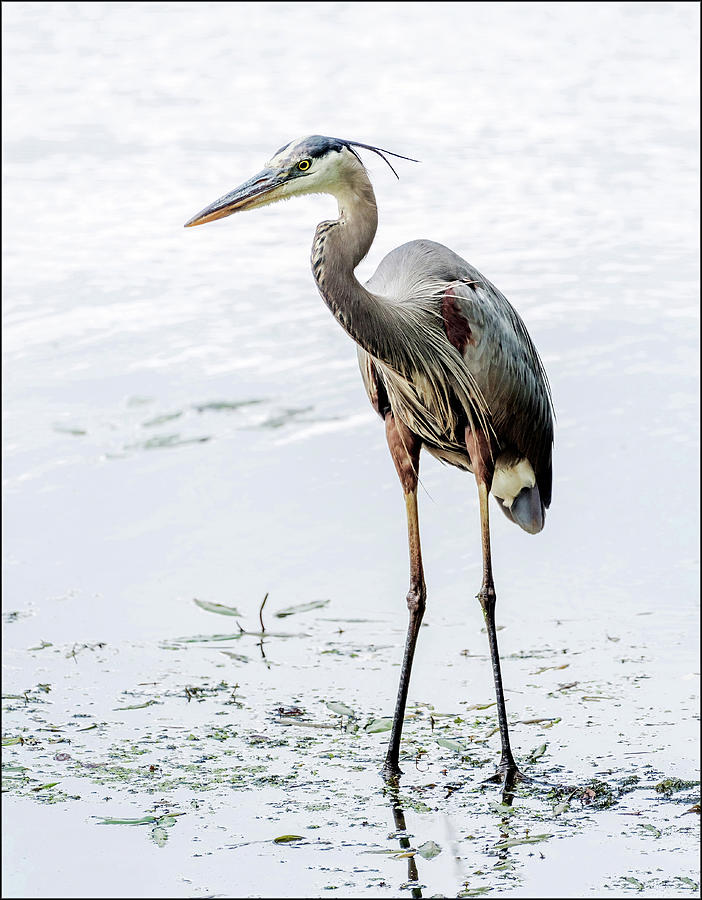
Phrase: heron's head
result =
(310, 165)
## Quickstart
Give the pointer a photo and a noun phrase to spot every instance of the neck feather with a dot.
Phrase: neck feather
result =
(338, 247)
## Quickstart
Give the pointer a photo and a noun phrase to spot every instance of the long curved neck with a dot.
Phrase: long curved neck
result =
(338, 248)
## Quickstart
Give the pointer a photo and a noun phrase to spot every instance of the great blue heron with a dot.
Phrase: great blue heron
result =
(446, 360)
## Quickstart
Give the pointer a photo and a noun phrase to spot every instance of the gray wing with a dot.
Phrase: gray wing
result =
(506, 365)
(496, 353)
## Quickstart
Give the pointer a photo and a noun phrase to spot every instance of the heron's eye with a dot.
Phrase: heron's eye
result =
(303, 165)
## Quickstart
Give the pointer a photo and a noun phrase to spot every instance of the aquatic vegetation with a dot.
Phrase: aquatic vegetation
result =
(195, 739)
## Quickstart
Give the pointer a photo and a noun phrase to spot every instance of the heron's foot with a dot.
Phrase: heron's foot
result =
(391, 772)
(508, 775)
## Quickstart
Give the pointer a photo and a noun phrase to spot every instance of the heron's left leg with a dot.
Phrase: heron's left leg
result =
(404, 449)
(479, 452)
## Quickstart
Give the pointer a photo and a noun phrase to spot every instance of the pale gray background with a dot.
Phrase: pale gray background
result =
(559, 151)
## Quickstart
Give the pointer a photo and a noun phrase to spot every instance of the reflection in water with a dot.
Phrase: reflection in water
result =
(501, 849)
(400, 832)
(509, 780)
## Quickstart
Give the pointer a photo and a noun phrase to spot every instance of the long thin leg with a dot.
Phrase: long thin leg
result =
(404, 448)
(483, 471)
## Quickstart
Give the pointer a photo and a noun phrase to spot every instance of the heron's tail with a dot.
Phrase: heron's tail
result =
(526, 510)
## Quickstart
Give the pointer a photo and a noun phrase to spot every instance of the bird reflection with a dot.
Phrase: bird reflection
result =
(398, 815)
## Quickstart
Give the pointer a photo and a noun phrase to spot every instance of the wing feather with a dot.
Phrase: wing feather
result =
(496, 381)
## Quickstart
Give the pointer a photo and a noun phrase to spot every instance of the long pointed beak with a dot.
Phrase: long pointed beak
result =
(256, 191)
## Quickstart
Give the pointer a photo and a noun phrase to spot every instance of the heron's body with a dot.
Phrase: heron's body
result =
(446, 361)
(488, 349)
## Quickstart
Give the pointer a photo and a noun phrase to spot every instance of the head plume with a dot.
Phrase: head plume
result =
(378, 150)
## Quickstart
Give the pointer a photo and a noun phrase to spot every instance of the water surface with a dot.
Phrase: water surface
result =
(184, 419)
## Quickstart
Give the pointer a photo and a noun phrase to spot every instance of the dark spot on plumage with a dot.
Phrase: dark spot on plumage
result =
(456, 325)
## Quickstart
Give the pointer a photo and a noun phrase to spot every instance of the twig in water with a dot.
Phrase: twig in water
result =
(260, 612)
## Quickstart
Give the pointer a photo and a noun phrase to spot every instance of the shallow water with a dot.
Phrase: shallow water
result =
(184, 420)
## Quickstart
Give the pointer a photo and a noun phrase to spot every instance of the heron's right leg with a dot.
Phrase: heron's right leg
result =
(480, 455)
(404, 448)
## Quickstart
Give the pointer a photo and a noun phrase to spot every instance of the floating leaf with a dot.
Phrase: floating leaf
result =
(224, 405)
(537, 721)
(634, 881)
(302, 607)
(161, 420)
(376, 726)
(44, 787)
(68, 429)
(159, 835)
(166, 820)
(502, 808)
(537, 753)
(288, 838)
(145, 820)
(450, 745)
(550, 668)
(527, 839)
(305, 724)
(652, 828)
(219, 608)
(429, 850)
(167, 440)
(482, 705)
(205, 638)
(341, 709)
(169, 820)
(135, 706)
